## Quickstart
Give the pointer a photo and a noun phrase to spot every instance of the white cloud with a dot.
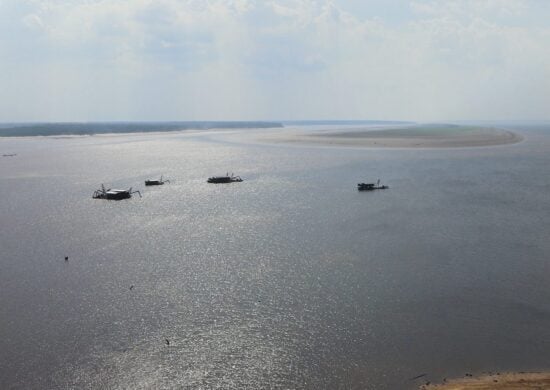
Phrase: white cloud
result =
(252, 59)
(471, 8)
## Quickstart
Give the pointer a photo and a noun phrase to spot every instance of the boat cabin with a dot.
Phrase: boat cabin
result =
(113, 194)
(159, 182)
(224, 179)
(370, 186)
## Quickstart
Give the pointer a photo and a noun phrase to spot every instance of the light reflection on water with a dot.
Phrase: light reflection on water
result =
(290, 279)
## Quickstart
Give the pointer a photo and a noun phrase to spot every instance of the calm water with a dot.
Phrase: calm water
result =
(291, 279)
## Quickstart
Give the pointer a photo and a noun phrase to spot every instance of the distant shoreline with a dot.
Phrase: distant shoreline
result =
(422, 136)
(92, 128)
(44, 129)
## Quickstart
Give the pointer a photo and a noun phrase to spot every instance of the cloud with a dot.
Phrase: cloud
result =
(471, 8)
(252, 59)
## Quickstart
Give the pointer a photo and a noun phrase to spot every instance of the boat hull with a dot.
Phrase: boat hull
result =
(223, 179)
(118, 195)
(153, 183)
(370, 187)
(113, 194)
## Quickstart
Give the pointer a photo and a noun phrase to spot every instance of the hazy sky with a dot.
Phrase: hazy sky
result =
(85, 60)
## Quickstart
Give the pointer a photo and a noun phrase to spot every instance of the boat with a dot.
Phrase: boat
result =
(371, 186)
(113, 194)
(159, 182)
(224, 179)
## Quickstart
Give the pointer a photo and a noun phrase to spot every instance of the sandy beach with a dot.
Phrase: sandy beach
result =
(505, 381)
(440, 136)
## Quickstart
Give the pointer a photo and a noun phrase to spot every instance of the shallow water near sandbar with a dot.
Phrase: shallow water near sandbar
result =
(291, 279)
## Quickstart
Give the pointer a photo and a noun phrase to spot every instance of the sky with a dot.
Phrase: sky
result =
(164, 60)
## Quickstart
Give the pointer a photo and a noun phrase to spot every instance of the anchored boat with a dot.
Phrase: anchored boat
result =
(224, 179)
(112, 194)
(156, 182)
(371, 186)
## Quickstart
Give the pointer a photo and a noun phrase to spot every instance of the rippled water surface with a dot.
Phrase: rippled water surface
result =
(291, 279)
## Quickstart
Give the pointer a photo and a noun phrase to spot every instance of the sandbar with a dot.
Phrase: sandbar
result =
(421, 136)
(505, 381)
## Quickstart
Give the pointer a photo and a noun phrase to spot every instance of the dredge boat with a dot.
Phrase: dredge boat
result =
(371, 186)
(224, 179)
(156, 182)
(112, 194)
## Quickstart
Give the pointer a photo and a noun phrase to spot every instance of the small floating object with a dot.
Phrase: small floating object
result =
(371, 186)
(418, 377)
(66, 258)
(112, 194)
(224, 179)
(167, 341)
(159, 182)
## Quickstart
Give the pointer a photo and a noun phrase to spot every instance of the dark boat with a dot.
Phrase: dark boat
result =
(156, 182)
(224, 179)
(371, 186)
(112, 194)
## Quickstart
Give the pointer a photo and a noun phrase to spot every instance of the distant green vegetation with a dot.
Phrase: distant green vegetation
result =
(49, 129)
